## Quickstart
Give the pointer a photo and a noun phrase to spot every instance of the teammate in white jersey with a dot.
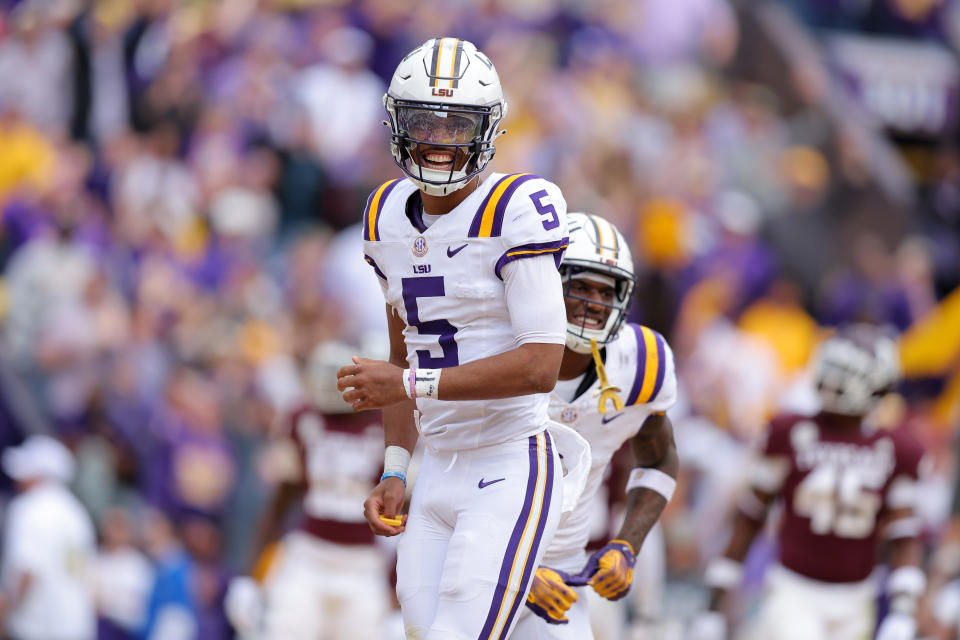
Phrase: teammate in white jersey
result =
(616, 382)
(468, 267)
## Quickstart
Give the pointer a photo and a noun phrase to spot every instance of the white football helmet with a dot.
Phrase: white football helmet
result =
(445, 103)
(597, 248)
(854, 369)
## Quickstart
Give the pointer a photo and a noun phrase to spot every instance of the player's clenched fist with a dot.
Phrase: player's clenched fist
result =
(611, 568)
(371, 384)
(550, 597)
(383, 505)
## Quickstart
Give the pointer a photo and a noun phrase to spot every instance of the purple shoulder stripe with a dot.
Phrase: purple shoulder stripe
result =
(640, 381)
(661, 366)
(641, 361)
(474, 231)
(384, 190)
(366, 215)
(532, 250)
(504, 200)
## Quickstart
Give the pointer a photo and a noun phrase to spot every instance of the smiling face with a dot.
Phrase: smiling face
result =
(438, 138)
(589, 300)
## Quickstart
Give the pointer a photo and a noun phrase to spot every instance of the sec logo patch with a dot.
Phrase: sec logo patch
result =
(420, 247)
(568, 415)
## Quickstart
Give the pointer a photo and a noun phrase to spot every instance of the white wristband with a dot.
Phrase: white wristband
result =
(396, 460)
(752, 507)
(421, 383)
(907, 580)
(723, 573)
(908, 527)
(652, 479)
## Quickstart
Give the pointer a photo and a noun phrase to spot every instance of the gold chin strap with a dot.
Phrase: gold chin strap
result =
(607, 391)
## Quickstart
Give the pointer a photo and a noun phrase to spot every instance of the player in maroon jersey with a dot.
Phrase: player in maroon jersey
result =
(844, 485)
(328, 579)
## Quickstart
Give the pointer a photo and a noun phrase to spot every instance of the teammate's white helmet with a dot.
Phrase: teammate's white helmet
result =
(597, 248)
(445, 96)
(854, 369)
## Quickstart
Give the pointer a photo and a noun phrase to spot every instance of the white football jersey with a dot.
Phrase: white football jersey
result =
(638, 361)
(445, 281)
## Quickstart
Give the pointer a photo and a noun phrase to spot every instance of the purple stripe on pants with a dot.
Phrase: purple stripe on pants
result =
(514, 544)
(531, 559)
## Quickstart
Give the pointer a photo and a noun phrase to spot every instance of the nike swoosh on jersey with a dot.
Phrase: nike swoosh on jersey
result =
(606, 419)
(453, 252)
(482, 484)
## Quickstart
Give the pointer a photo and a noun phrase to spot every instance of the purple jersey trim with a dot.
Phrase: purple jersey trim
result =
(373, 263)
(513, 546)
(376, 214)
(415, 211)
(557, 247)
(642, 365)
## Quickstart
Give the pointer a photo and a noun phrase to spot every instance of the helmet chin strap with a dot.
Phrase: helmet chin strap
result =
(607, 392)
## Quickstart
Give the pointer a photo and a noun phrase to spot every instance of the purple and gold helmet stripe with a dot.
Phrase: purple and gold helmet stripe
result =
(557, 247)
(454, 62)
(371, 215)
(435, 61)
(598, 226)
(651, 366)
(457, 57)
(488, 222)
(517, 566)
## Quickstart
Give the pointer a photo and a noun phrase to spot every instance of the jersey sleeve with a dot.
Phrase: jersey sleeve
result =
(381, 278)
(908, 467)
(530, 214)
(771, 461)
(534, 297)
(655, 382)
(372, 213)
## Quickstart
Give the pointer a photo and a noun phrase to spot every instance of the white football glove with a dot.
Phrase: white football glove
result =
(708, 625)
(243, 604)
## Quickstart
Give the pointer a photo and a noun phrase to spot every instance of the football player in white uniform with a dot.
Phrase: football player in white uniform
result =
(468, 266)
(616, 382)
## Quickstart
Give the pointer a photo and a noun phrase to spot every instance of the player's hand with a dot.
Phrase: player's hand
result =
(549, 597)
(243, 604)
(386, 499)
(371, 384)
(708, 625)
(897, 626)
(610, 569)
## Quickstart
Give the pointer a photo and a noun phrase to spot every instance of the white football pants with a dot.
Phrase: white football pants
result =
(479, 523)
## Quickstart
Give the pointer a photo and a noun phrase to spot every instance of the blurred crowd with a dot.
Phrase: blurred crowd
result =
(180, 182)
